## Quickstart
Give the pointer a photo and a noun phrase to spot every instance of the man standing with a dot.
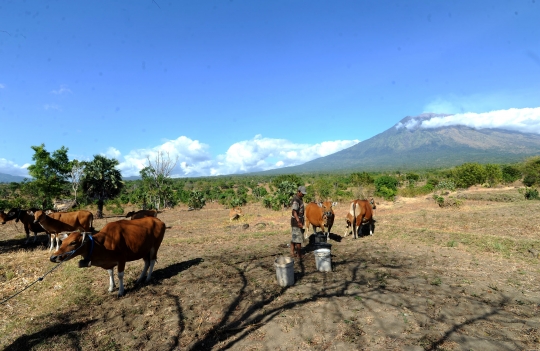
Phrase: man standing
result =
(297, 222)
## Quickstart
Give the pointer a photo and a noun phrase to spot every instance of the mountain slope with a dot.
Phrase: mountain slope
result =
(407, 146)
(7, 178)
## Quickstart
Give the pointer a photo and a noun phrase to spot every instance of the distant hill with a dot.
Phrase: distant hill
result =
(7, 178)
(400, 148)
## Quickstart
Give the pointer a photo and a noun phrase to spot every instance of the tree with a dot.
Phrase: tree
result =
(493, 174)
(50, 173)
(77, 170)
(469, 174)
(510, 174)
(157, 176)
(360, 179)
(386, 186)
(531, 171)
(101, 181)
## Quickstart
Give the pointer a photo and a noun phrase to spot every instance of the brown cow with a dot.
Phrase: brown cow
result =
(235, 213)
(141, 214)
(360, 213)
(27, 220)
(57, 222)
(117, 243)
(320, 215)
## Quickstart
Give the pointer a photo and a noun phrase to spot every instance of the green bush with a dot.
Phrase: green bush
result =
(510, 174)
(469, 174)
(196, 200)
(529, 180)
(446, 185)
(531, 194)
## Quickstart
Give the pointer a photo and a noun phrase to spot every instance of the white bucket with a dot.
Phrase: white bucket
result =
(284, 270)
(323, 260)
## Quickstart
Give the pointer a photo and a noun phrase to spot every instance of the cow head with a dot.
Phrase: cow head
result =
(327, 208)
(3, 217)
(13, 214)
(73, 244)
(39, 215)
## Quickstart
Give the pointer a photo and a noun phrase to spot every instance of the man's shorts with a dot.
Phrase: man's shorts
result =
(297, 235)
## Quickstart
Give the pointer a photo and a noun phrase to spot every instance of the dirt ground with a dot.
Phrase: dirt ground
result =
(430, 278)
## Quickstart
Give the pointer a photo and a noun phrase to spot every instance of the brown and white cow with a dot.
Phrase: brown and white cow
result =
(360, 213)
(114, 245)
(141, 214)
(235, 213)
(58, 222)
(320, 215)
(26, 219)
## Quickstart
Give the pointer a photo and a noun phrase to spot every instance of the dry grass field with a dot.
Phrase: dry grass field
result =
(430, 278)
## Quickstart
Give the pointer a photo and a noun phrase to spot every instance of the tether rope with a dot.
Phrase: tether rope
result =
(40, 278)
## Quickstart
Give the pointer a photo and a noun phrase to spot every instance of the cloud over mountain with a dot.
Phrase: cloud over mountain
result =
(524, 120)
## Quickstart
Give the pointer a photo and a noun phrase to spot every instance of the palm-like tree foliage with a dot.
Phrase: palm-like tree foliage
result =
(101, 181)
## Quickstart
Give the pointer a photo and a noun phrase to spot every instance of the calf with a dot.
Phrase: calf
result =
(117, 243)
(235, 213)
(320, 215)
(53, 226)
(141, 214)
(360, 213)
(26, 219)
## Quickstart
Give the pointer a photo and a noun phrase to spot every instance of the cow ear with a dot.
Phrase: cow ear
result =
(334, 204)
(319, 204)
(31, 213)
(63, 236)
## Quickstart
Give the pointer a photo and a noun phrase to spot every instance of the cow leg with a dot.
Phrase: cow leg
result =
(52, 242)
(57, 235)
(151, 269)
(27, 231)
(111, 279)
(120, 284)
(145, 269)
(121, 267)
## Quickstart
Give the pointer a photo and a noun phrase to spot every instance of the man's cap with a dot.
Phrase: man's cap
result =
(302, 189)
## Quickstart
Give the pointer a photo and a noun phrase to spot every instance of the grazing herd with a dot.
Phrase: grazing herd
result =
(140, 237)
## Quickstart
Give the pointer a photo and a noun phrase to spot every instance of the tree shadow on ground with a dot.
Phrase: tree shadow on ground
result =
(234, 327)
(159, 275)
(12, 245)
(28, 342)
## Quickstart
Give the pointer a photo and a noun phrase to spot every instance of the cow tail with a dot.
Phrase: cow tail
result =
(354, 220)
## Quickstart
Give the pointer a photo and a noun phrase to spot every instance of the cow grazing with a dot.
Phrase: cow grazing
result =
(360, 213)
(320, 215)
(235, 213)
(117, 243)
(141, 214)
(58, 222)
(27, 220)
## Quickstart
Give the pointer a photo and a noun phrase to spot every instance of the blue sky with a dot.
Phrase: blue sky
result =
(239, 86)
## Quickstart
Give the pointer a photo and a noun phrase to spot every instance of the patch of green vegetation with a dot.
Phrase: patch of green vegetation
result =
(452, 243)
(436, 281)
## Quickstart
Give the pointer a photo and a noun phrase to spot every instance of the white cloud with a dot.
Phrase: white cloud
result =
(193, 158)
(253, 155)
(9, 167)
(52, 107)
(493, 101)
(112, 153)
(525, 120)
(62, 90)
